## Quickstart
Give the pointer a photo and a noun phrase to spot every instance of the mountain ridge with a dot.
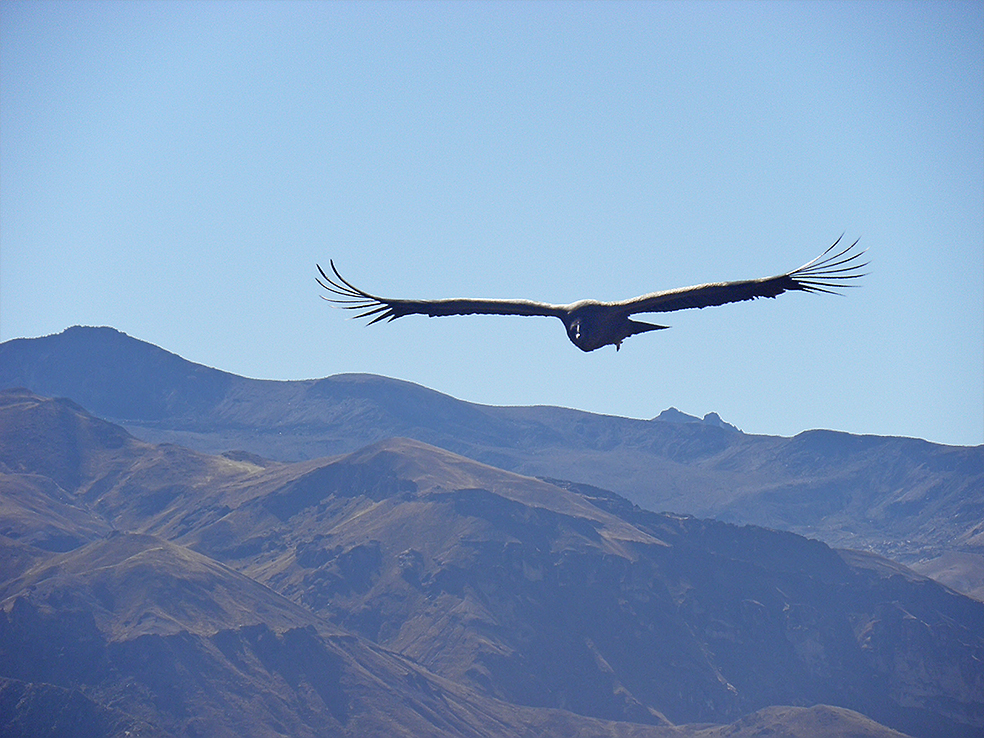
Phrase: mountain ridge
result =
(906, 498)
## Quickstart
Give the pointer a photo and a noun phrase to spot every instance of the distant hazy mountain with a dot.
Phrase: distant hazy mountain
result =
(405, 590)
(917, 502)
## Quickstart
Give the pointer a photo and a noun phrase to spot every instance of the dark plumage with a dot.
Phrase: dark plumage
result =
(591, 324)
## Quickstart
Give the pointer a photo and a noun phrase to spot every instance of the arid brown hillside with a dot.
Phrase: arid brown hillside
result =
(403, 589)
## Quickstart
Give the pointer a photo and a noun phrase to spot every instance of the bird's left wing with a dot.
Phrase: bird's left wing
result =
(829, 272)
(351, 297)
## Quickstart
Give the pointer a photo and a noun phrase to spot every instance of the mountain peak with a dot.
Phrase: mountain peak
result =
(111, 374)
(672, 415)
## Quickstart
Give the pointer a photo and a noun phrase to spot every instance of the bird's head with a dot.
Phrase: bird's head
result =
(575, 333)
(581, 331)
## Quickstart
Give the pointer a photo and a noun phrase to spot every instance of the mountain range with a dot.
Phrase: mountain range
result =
(916, 502)
(197, 572)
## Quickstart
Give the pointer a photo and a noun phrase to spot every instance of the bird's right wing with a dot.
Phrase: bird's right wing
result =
(351, 297)
(829, 272)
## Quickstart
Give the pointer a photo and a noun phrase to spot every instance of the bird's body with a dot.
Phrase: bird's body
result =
(591, 324)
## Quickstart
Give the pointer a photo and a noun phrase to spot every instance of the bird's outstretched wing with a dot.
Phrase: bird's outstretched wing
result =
(829, 272)
(351, 297)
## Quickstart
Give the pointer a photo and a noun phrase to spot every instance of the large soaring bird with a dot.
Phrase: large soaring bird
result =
(591, 324)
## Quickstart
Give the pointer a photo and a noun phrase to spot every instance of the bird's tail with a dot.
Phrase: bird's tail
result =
(633, 327)
(637, 326)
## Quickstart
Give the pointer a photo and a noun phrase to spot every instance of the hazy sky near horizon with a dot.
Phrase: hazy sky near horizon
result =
(176, 170)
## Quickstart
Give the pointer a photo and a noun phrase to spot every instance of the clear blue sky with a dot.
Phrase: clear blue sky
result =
(176, 169)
